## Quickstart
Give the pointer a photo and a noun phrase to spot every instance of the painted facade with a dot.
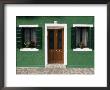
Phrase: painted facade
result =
(72, 58)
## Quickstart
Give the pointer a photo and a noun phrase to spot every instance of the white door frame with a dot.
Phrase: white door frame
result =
(65, 41)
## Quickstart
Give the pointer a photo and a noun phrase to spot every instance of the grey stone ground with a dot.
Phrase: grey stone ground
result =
(54, 69)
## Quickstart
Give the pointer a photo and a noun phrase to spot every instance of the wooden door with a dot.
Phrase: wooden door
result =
(56, 46)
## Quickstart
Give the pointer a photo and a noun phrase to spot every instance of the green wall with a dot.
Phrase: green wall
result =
(74, 58)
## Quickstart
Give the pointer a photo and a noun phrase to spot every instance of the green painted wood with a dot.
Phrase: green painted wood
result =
(73, 38)
(18, 37)
(92, 38)
(39, 37)
(89, 37)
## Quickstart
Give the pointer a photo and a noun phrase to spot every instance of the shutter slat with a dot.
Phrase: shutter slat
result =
(19, 37)
(39, 37)
(89, 38)
(92, 38)
(73, 38)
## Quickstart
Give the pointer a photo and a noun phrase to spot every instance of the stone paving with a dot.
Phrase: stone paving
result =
(54, 69)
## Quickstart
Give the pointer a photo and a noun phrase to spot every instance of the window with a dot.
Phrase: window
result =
(29, 37)
(82, 38)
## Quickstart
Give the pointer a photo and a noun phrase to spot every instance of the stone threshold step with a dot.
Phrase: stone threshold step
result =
(55, 66)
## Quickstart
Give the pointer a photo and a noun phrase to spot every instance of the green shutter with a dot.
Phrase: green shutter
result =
(39, 37)
(73, 38)
(18, 37)
(91, 38)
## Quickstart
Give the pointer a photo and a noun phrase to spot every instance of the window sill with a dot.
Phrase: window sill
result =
(84, 49)
(29, 49)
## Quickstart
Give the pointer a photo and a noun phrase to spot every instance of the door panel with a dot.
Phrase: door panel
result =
(55, 46)
(51, 46)
(59, 46)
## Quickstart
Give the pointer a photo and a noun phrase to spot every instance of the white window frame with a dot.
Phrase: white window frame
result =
(82, 25)
(29, 49)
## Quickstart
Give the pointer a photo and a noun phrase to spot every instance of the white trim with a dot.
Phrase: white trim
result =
(55, 27)
(84, 49)
(28, 25)
(29, 49)
(65, 41)
(82, 25)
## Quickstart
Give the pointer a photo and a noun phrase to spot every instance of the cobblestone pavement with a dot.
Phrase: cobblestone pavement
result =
(54, 69)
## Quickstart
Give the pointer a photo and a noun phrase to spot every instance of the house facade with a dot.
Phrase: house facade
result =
(43, 40)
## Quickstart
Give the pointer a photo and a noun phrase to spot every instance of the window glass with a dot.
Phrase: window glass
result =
(29, 37)
(81, 37)
(51, 39)
(59, 39)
